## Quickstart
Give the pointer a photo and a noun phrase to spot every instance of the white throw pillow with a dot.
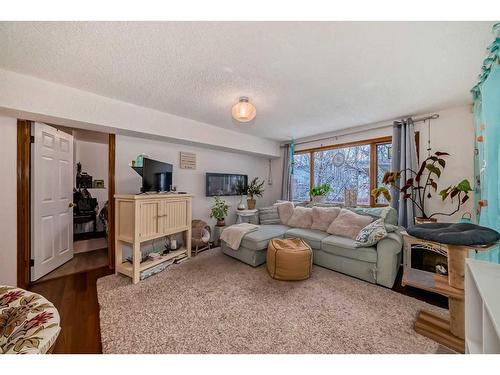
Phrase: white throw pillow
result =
(301, 218)
(348, 224)
(323, 216)
(371, 234)
(285, 211)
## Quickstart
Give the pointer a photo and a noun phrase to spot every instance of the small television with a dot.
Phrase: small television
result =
(224, 184)
(156, 176)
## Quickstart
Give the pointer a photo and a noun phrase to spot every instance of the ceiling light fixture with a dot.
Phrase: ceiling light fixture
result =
(243, 111)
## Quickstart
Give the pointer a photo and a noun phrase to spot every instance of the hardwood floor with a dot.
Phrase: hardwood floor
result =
(422, 295)
(81, 262)
(75, 296)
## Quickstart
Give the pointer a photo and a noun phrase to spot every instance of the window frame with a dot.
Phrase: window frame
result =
(373, 142)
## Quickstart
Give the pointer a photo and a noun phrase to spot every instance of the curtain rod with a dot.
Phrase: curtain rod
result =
(415, 120)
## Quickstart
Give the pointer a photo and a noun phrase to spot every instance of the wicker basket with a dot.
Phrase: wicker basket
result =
(197, 241)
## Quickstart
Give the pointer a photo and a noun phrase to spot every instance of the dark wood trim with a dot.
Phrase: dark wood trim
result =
(23, 203)
(373, 142)
(111, 200)
(347, 144)
(373, 171)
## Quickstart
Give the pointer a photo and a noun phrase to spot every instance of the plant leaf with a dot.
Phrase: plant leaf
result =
(439, 153)
(442, 162)
(433, 169)
(406, 196)
(464, 185)
(465, 198)
(454, 192)
(420, 171)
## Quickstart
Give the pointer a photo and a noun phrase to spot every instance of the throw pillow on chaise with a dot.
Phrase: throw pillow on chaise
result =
(269, 215)
(348, 224)
(322, 217)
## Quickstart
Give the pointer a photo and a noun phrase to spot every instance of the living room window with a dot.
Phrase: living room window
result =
(358, 166)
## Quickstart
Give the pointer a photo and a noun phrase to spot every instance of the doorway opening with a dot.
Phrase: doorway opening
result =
(69, 174)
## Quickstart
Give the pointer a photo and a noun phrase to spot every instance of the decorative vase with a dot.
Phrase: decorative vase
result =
(241, 205)
(221, 222)
(422, 220)
(319, 199)
(251, 204)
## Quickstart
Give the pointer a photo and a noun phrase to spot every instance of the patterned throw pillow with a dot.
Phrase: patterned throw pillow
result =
(371, 234)
(269, 215)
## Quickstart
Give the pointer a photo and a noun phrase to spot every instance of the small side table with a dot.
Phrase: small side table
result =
(244, 216)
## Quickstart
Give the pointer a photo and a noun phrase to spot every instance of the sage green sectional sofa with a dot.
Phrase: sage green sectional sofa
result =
(377, 264)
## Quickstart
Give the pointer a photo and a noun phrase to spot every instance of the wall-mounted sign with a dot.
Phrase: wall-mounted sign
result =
(187, 160)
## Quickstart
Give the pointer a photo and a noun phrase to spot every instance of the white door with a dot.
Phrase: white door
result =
(51, 199)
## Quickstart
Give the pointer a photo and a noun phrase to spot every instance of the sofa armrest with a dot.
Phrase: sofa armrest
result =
(389, 259)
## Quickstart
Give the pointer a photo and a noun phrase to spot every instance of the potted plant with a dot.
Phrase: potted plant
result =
(255, 189)
(219, 211)
(241, 190)
(318, 193)
(418, 187)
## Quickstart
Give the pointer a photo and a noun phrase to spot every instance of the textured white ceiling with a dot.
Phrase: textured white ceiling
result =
(304, 78)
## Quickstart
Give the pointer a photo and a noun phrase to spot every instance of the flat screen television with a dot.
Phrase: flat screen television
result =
(221, 184)
(156, 176)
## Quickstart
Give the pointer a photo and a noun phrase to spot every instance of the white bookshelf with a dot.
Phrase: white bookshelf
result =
(482, 307)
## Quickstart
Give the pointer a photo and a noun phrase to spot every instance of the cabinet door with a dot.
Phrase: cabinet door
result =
(176, 214)
(149, 215)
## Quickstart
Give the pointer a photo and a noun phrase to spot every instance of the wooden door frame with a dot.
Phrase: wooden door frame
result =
(24, 202)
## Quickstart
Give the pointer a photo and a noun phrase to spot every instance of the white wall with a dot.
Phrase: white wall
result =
(452, 132)
(8, 194)
(193, 181)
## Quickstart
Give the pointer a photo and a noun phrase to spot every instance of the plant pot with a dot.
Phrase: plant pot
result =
(251, 204)
(421, 220)
(221, 223)
(318, 199)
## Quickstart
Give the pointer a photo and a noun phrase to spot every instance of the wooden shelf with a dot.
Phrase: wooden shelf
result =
(151, 263)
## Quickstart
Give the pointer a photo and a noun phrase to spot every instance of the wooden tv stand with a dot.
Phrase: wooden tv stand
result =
(145, 217)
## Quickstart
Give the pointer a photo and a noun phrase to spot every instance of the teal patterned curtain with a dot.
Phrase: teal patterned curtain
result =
(486, 95)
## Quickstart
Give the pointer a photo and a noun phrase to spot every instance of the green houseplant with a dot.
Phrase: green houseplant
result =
(219, 211)
(255, 189)
(241, 190)
(419, 187)
(318, 193)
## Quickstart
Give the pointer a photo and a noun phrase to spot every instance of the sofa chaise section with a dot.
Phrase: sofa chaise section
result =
(253, 248)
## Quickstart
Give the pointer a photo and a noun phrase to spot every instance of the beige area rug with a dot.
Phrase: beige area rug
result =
(216, 304)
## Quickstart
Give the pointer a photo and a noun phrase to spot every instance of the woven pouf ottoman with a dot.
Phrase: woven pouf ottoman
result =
(289, 259)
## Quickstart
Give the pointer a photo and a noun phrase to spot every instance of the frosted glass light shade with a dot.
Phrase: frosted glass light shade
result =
(243, 111)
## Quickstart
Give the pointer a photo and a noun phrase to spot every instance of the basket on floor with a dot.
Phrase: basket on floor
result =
(200, 236)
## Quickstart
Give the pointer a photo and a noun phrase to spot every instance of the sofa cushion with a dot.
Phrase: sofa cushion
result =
(346, 247)
(258, 240)
(301, 218)
(348, 224)
(310, 236)
(269, 215)
(323, 217)
(389, 214)
(285, 211)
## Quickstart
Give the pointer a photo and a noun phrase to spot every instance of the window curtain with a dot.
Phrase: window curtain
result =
(287, 179)
(486, 95)
(404, 159)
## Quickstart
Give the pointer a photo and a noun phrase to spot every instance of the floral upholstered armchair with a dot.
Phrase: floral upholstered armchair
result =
(29, 324)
